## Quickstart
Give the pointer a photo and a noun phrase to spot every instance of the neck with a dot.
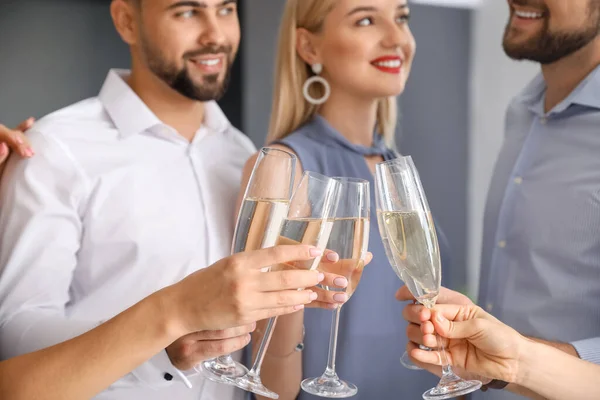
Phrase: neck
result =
(353, 117)
(173, 109)
(563, 76)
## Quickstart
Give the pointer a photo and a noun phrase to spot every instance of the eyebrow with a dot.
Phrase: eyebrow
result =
(370, 8)
(198, 4)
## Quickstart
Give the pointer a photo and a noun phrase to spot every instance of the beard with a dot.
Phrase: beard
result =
(548, 47)
(179, 79)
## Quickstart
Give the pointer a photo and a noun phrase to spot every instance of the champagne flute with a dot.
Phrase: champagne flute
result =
(349, 238)
(411, 245)
(309, 221)
(263, 210)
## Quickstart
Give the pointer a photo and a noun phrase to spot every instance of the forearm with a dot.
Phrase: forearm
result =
(282, 366)
(85, 365)
(554, 374)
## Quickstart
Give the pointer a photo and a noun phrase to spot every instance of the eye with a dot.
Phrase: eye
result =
(365, 22)
(403, 19)
(226, 11)
(186, 14)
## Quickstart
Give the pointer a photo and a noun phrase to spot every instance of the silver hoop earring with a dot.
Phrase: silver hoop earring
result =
(317, 69)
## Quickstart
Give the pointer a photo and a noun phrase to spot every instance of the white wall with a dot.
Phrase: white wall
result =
(495, 80)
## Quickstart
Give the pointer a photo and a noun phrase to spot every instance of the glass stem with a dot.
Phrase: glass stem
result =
(225, 360)
(333, 337)
(262, 348)
(448, 376)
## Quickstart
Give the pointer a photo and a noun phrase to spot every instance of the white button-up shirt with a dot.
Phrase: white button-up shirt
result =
(114, 206)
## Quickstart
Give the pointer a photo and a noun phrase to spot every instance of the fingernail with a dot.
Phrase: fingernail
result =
(439, 318)
(332, 306)
(313, 296)
(321, 277)
(333, 257)
(253, 326)
(248, 338)
(3, 150)
(314, 252)
(299, 307)
(29, 153)
(340, 297)
(340, 282)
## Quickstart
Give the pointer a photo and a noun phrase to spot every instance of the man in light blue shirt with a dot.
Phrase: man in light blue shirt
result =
(540, 268)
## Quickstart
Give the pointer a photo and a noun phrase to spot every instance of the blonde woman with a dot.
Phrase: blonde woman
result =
(340, 66)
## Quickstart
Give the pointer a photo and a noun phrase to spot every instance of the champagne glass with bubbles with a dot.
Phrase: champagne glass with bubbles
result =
(349, 239)
(309, 221)
(262, 213)
(411, 245)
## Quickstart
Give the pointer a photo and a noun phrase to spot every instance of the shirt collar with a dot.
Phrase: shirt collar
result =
(586, 94)
(132, 116)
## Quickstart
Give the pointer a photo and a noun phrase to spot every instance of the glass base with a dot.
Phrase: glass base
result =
(331, 387)
(407, 362)
(451, 389)
(222, 372)
(252, 383)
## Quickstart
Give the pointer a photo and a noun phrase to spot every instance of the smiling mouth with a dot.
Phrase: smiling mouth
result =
(529, 14)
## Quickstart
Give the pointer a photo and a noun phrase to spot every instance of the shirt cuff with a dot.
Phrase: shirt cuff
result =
(159, 372)
(588, 349)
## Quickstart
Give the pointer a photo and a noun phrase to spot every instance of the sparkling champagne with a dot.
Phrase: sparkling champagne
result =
(412, 249)
(259, 224)
(349, 238)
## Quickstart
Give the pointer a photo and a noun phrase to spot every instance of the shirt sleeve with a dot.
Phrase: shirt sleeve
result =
(588, 349)
(41, 203)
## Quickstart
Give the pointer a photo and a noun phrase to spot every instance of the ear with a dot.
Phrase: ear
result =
(307, 46)
(124, 19)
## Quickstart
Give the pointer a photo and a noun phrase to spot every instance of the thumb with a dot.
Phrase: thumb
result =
(23, 126)
(458, 330)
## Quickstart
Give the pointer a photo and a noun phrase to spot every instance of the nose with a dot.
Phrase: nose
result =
(212, 32)
(395, 36)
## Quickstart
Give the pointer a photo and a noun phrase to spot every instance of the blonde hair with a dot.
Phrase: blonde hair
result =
(290, 109)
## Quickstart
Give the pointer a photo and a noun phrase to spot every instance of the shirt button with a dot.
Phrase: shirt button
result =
(502, 244)
(489, 307)
(543, 120)
(518, 180)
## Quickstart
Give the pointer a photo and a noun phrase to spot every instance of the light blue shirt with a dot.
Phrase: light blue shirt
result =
(540, 268)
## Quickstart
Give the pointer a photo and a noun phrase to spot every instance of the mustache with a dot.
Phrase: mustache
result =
(209, 50)
(541, 4)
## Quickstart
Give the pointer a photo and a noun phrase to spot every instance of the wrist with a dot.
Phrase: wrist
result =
(528, 356)
(167, 314)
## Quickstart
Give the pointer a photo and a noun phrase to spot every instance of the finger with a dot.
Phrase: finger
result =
(225, 333)
(259, 315)
(322, 305)
(258, 259)
(414, 334)
(25, 125)
(329, 296)
(415, 313)
(330, 256)
(403, 294)
(3, 152)
(448, 296)
(334, 281)
(460, 330)
(204, 350)
(286, 298)
(16, 141)
(275, 281)
(423, 358)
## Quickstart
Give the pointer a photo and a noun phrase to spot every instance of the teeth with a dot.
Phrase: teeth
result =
(209, 63)
(389, 64)
(528, 15)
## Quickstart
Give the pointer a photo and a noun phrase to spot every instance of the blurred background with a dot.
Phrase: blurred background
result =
(56, 52)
